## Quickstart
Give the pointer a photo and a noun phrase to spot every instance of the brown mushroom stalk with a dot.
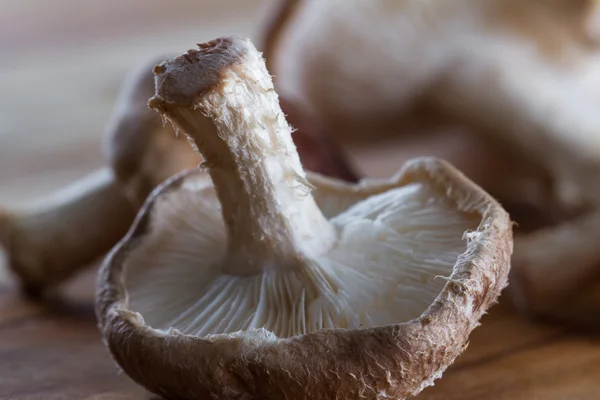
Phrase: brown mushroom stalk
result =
(252, 278)
(48, 242)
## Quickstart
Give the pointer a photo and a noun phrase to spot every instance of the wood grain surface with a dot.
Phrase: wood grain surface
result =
(61, 63)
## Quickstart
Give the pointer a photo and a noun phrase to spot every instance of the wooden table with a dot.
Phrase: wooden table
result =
(61, 65)
(54, 352)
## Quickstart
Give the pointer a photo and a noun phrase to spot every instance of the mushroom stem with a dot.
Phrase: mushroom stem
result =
(45, 245)
(221, 96)
(544, 274)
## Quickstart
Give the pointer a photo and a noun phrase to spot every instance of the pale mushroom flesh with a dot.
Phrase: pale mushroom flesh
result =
(392, 256)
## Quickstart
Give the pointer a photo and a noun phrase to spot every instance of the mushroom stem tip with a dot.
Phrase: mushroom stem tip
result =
(183, 79)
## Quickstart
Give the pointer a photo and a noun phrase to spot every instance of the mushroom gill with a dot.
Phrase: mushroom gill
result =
(392, 256)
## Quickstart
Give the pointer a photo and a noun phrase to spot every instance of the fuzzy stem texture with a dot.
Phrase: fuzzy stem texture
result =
(223, 99)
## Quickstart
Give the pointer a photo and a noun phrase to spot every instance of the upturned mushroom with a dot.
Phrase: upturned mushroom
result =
(72, 228)
(251, 278)
(519, 74)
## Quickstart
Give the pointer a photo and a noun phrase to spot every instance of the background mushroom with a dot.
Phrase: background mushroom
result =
(509, 90)
(70, 229)
(241, 282)
(52, 239)
(73, 227)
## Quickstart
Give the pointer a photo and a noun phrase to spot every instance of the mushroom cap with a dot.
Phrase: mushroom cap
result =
(393, 360)
(140, 149)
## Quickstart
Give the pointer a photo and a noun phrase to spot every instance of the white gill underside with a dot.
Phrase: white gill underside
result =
(394, 252)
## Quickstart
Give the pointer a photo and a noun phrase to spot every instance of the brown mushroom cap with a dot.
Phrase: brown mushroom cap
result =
(140, 149)
(395, 359)
(332, 363)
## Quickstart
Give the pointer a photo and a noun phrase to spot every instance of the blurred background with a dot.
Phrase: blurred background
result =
(61, 65)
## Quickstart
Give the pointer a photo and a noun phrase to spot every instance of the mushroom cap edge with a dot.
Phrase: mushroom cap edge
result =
(334, 363)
